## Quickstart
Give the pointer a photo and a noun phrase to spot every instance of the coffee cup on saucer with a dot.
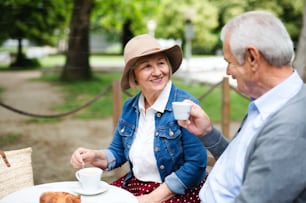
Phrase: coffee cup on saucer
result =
(89, 178)
(181, 110)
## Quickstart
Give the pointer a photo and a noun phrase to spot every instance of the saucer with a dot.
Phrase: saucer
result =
(102, 188)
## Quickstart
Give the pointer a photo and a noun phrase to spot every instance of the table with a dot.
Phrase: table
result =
(31, 194)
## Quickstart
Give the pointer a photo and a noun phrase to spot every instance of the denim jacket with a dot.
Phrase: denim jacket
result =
(180, 156)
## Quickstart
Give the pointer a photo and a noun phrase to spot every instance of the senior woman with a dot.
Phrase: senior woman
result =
(167, 163)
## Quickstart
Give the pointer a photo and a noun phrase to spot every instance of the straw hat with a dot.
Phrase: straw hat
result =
(144, 45)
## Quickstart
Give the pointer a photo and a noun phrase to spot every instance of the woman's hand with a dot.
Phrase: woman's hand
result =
(198, 122)
(83, 156)
(144, 199)
(159, 195)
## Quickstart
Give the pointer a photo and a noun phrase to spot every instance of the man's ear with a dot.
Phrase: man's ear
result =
(252, 55)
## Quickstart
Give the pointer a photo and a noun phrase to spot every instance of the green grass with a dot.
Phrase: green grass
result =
(212, 103)
(52, 61)
(9, 139)
(78, 93)
(59, 60)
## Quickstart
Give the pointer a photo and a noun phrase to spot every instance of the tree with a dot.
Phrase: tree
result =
(203, 15)
(300, 60)
(77, 57)
(126, 17)
(41, 22)
(110, 14)
(288, 11)
(127, 33)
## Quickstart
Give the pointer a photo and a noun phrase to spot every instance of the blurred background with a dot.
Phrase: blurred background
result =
(56, 55)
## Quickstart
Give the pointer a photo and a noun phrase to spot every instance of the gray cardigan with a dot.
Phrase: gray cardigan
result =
(275, 165)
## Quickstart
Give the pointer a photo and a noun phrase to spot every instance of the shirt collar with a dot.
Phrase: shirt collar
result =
(161, 102)
(278, 95)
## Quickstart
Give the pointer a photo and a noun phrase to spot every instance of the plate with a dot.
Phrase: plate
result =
(103, 187)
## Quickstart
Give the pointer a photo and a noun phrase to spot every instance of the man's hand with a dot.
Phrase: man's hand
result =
(198, 122)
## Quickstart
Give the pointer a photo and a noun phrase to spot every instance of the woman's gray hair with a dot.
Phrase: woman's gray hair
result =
(262, 30)
(132, 80)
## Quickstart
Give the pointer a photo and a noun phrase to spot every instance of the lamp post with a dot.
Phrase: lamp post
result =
(189, 34)
(151, 25)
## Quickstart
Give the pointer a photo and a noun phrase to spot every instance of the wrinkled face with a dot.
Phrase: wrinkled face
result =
(152, 73)
(245, 77)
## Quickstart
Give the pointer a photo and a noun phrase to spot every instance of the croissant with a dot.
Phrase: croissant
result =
(59, 197)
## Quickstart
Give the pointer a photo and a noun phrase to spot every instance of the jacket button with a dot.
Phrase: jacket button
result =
(171, 133)
(156, 134)
(158, 114)
(156, 149)
(162, 167)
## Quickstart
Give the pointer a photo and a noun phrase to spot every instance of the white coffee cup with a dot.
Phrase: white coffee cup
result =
(89, 178)
(181, 110)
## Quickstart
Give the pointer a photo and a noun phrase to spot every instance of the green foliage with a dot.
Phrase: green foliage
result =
(207, 16)
(172, 17)
(290, 12)
(42, 22)
(111, 14)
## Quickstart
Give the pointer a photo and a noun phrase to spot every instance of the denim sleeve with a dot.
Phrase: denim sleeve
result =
(214, 142)
(111, 161)
(174, 184)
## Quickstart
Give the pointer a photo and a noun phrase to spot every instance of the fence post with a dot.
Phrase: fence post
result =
(226, 107)
(117, 97)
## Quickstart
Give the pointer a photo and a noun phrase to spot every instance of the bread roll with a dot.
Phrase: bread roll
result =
(59, 197)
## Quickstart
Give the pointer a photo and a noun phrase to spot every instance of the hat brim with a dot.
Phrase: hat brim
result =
(173, 53)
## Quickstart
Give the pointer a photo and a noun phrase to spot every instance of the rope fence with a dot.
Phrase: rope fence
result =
(117, 103)
(25, 113)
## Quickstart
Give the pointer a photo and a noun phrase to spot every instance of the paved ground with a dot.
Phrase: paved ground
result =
(52, 142)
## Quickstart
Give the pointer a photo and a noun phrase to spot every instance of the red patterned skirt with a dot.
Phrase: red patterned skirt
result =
(137, 188)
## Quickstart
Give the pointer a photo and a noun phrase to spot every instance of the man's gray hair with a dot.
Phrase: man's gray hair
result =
(262, 30)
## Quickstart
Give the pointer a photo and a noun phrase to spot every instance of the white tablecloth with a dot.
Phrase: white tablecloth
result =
(31, 194)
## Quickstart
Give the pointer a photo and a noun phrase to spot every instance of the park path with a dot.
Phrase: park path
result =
(52, 142)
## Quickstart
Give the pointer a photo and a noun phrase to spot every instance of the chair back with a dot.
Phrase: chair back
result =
(17, 173)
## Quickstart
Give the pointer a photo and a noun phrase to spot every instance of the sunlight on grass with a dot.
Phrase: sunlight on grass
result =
(59, 60)
(52, 61)
(213, 101)
(79, 93)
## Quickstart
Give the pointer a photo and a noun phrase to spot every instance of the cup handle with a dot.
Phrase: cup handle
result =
(77, 175)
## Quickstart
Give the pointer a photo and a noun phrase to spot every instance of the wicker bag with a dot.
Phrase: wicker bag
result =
(18, 174)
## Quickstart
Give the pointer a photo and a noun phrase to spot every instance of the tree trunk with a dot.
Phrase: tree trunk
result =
(19, 61)
(77, 57)
(300, 60)
(127, 33)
